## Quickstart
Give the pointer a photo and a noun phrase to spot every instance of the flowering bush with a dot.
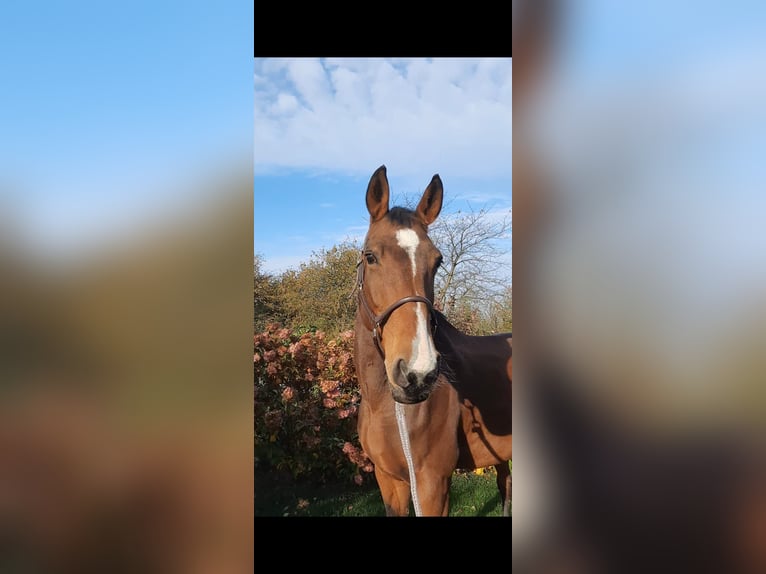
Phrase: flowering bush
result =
(305, 401)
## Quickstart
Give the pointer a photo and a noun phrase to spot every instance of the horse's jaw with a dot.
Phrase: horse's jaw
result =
(400, 396)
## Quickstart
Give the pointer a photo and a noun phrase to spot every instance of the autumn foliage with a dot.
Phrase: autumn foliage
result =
(306, 400)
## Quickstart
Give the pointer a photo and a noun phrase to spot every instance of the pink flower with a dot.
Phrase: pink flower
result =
(271, 369)
(348, 447)
(328, 386)
(295, 348)
(329, 403)
(283, 333)
(270, 355)
(256, 358)
(288, 394)
(358, 479)
(348, 335)
(343, 414)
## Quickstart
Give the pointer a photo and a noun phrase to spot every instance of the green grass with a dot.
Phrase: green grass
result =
(470, 495)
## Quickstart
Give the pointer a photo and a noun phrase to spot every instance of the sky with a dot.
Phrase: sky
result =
(653, 128)
(665, 102)
(323, 125)
(111, 112)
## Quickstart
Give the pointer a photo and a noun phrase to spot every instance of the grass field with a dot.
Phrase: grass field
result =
(471, 495)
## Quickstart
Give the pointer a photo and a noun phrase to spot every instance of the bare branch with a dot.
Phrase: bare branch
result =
(471, 243)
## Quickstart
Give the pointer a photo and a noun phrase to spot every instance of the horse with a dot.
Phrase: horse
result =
(433, 399)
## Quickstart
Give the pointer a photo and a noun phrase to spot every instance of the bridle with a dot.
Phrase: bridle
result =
(380, 319)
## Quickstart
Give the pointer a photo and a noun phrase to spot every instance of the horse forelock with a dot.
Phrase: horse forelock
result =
(402, 217)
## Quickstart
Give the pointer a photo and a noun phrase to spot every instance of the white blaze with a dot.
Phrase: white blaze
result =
(423, 352)
(408, 240)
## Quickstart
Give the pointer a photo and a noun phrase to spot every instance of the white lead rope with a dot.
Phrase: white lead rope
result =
(405, 438)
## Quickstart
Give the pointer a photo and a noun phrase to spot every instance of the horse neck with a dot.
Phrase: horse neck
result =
(447, 339)
(461, 353)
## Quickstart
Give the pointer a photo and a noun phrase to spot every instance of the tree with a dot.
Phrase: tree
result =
(500, 316)
(471, 275)
(266, 301)
(318, 294)
(472, 286)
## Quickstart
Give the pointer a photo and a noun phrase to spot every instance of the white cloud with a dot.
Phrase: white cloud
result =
(285, 104)
(411, 114)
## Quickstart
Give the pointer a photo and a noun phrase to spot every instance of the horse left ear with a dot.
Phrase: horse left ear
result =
(377, 194)
(431, 203)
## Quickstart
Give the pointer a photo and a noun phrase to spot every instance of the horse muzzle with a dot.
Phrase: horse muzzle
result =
(410, 387)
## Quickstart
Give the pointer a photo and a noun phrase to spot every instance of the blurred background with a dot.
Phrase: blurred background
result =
(126, 254)
(125, 287)
(640, 278)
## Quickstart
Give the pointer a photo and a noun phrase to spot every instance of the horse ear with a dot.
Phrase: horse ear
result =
(377, 194)
(431, 203)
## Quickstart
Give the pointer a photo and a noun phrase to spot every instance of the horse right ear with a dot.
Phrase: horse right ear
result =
(431, 203)
(377, 194)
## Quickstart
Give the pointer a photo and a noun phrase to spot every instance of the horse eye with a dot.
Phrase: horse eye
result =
(371, 259)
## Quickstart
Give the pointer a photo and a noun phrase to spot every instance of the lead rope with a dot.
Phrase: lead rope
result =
(405, 438)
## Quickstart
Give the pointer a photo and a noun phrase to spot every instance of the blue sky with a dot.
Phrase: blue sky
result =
(113, 111)
(654, 129)
(109, 111)
(323, 125)
(672, 98)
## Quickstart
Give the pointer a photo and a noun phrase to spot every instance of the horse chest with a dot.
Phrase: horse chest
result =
(432, 429)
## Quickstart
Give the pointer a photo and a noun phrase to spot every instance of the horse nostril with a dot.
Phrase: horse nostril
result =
(406, 378)
(430, 378)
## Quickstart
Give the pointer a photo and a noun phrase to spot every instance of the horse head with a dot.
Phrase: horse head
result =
(396, 287)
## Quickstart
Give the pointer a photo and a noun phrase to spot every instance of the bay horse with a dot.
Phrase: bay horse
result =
(433, 398)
